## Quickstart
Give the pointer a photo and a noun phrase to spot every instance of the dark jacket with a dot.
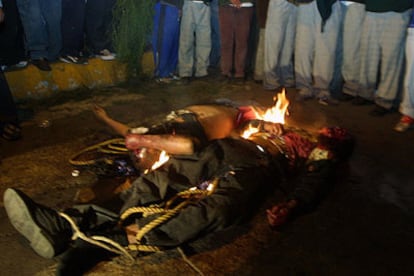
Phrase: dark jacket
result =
(388, 5)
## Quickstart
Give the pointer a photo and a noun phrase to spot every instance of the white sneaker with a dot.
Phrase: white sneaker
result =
(405, 123)
(105, 54)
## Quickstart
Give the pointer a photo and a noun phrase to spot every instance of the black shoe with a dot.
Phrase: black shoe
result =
(240, 80)
(185, 80)
(379, 111)
(224, 78)
(80, 258)
(48, 233)
(360, 101)
(346, 97)
(42, 64)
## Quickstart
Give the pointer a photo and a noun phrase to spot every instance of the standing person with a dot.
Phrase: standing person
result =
(9, 123)
(73, 31)
(235, 23)
(382, 53)
(98, 28)
(215, 35)
(279, 45)
(353, 20)
(261, 15)
(41, 24)
(12, 53)
(165, 37)
(195, 40)
(317, 34)
(407, 105)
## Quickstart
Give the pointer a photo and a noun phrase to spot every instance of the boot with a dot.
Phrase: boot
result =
(47, 232)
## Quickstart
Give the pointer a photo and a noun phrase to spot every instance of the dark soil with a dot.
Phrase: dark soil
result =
(365, 225)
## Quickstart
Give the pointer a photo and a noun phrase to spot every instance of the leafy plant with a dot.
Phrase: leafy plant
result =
(132, 28)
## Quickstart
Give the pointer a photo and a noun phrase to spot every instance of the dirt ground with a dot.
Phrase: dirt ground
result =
(364, 227)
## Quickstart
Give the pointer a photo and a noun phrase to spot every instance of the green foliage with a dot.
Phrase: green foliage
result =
(132, 28)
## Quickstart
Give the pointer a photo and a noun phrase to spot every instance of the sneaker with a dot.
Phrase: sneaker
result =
(105, 54)
(303, 97)
(360, 101)
(42, 64)
(164, 80)
(73, 59)
(327, 100)
(379, 111)
(47, 232)
(224, 79)
(405, 123)
(238, 80)
(185, 80)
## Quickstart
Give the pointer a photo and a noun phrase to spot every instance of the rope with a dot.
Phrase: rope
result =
(108, 147)
(190, 263)
(190, 195)
(99, 241)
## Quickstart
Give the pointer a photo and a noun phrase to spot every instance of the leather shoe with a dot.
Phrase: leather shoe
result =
(42, 64)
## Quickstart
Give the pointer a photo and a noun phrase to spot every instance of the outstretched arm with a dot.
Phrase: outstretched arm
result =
(116, 126)
(172, 144)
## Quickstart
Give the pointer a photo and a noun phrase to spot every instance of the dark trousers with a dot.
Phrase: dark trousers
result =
(11, 35)
(98, 25)
(8, 110)
(73, 27)
(234, 32)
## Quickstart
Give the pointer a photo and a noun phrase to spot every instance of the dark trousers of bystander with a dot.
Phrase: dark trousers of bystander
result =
(73, 27)
(234, 32)
(11, 35)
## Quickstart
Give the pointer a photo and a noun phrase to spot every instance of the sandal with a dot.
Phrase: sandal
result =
(10, 131)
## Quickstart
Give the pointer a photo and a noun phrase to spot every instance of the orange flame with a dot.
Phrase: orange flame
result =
(161, 161)
(250, 131)
(275, 114)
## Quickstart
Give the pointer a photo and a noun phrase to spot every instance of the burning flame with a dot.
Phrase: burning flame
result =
(275, 114)
(161, 161)
(250, 131)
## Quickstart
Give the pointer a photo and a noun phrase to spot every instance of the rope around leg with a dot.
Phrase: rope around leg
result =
(99, 241)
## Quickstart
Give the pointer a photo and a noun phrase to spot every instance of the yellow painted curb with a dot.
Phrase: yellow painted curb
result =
(32, 83)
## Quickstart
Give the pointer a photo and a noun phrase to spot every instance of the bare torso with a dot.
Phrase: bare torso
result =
(218, 121)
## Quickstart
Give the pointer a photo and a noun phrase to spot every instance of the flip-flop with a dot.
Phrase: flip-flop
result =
(10, 131)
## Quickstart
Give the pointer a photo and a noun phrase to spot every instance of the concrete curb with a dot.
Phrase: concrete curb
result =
(32, 83)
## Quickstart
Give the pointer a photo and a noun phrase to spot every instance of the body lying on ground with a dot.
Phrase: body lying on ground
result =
(220, 182)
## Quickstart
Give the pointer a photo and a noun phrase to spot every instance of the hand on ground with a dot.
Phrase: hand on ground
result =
(99, 112)
(279, 213)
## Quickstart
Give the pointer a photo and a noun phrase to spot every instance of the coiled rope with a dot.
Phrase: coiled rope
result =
(113, 146)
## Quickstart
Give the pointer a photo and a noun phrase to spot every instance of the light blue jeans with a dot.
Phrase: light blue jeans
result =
(195, 40)
(41, 24)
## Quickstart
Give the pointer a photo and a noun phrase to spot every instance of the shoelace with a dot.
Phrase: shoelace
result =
(99, 241)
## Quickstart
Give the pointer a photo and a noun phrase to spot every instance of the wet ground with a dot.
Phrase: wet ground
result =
(364, 227)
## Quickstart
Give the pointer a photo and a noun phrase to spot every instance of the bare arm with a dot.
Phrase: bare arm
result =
(172, 144)
(116, 126)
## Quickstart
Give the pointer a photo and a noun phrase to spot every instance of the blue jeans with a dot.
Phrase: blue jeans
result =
(215, 35)
(41, 23)
(165, 36)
